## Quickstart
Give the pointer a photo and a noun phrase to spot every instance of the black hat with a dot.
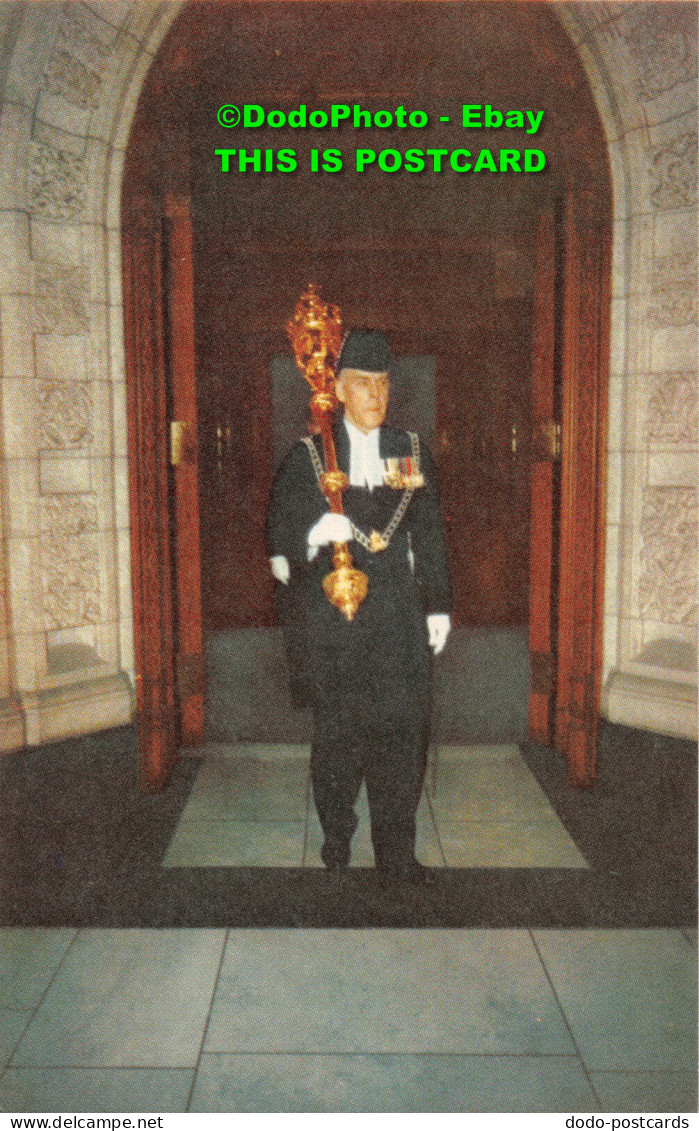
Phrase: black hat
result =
(367, 350)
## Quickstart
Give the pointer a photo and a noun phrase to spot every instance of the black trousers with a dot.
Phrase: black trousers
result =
(370, 693)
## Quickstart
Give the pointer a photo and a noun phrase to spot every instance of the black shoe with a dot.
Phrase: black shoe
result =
(335, 857)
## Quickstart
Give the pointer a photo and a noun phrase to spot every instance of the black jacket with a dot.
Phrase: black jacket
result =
(297, 504)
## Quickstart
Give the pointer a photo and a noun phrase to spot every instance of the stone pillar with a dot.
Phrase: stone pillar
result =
(642, 64)
(74, 72)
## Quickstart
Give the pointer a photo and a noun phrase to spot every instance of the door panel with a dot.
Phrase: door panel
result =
(585, 350)
(189, 664)
(148, 480)
(545, 475)
(568, 498)
(159, 336)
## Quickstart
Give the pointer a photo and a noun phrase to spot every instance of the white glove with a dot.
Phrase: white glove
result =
(330, 528)
(280, 568)
(438, 628)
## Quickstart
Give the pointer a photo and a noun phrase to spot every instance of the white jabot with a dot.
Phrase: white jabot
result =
(365, 462)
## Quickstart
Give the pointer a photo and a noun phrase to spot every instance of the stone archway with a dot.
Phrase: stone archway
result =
(72, 76)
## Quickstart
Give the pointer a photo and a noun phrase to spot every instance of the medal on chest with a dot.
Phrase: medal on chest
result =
(403, 474)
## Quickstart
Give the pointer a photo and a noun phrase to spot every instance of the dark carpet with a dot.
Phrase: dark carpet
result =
(81, 846)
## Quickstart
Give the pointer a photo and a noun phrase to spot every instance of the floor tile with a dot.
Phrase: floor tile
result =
(496, 752)
(126, 998)
(275, 751)
(249, 789)
(428, 848)
(690, 933)
(267, 751)
(646, 1091)
(13, 1022)
(96, 1089)
(29, 957)
(236, 844)
(629, 995)
(383, 1083)
(427, 845)
(488, 808)
(491, 790)
(540, 842)
(384, 991)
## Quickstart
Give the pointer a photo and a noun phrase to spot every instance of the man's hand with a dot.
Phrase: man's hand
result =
(330, 528)
(438, 628)
(280, 568)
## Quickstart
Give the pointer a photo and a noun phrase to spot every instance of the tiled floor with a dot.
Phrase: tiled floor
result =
(347, 1020)
(283, 1020)
(482, 807)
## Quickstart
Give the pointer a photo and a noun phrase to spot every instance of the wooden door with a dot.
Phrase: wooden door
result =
(544, 485)
(569, 383)
(181, 374)
(586, 248)
(159, 337)
(151, 560)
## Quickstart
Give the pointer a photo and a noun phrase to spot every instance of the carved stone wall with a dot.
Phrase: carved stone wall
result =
(672, 409)
(664, 50)
(61, 299)
(56, 183)
(674, 289)
(77, 62)
(69, 559)
(65, 414)
(72, 75)
(673, 170)
(668, 585)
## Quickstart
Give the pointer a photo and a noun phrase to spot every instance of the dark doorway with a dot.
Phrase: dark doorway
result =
(445, 262)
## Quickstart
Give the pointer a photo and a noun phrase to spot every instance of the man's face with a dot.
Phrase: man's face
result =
(365, 397)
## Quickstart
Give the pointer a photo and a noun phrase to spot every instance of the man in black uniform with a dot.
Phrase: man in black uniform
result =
(368, 678)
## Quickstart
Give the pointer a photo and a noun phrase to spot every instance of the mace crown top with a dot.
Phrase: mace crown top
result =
(315, 333)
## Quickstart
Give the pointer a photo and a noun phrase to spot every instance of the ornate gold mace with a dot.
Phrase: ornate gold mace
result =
(315, 333)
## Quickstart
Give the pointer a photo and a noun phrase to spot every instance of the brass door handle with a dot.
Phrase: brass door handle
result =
(546, 440)
(182, 443)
